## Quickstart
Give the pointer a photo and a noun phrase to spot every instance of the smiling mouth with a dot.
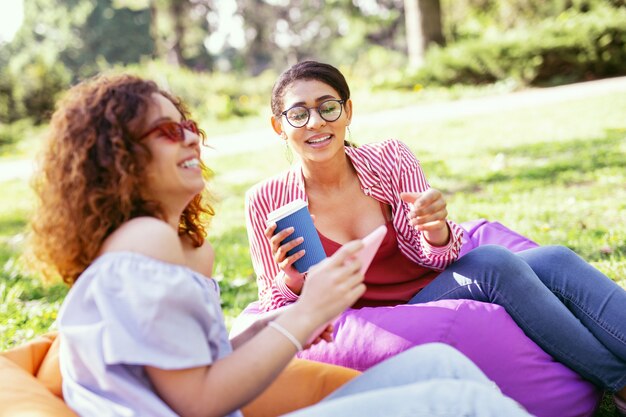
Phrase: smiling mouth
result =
(190, 163)
(318, 140)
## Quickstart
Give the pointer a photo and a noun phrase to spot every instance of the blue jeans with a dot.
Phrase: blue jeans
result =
(428, 380)
(570, 309)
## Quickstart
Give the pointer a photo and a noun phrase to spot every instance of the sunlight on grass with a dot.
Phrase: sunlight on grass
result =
(554, 173)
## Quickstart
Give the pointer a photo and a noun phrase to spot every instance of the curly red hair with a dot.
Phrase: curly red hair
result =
(91, 175)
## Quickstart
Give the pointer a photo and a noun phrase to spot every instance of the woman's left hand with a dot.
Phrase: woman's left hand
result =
(428, 214)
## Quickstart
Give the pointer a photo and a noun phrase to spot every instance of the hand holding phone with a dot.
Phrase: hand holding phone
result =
(371, 243)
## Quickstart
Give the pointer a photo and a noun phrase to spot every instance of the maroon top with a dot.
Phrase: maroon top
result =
(392, 278)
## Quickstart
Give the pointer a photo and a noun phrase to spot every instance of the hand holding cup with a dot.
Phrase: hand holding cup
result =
(294, 241)
(280, 254)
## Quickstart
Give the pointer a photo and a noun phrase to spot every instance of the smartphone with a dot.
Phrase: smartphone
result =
(371, 243)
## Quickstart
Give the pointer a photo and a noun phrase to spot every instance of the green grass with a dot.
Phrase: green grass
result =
(553, 172)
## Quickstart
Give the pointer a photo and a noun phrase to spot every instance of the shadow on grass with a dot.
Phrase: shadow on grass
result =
(562, 161)
(567, 163)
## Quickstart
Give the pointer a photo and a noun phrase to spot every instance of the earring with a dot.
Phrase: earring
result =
(288, 153)
(349, 136)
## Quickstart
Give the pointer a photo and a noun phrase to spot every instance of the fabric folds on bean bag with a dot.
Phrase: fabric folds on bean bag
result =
(483, 232)
(483, 332)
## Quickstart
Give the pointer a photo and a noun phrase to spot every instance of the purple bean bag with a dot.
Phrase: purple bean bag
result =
(483, 232)
(483, 332)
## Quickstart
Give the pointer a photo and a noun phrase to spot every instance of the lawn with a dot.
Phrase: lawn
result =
(553, 172)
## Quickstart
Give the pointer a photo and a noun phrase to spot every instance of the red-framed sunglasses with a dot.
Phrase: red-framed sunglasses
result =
(175, 131)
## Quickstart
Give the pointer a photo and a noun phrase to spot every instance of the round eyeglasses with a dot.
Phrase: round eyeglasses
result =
(329, 110)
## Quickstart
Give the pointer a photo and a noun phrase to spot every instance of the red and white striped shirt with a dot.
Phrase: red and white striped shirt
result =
(385, 169)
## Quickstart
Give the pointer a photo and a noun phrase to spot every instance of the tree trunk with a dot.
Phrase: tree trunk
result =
(178, 17)
(154, 30)
(423, 28)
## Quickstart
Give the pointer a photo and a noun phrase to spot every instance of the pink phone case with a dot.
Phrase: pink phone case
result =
(371, 243)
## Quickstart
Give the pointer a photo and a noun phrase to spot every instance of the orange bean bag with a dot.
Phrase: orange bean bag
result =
(30, 383)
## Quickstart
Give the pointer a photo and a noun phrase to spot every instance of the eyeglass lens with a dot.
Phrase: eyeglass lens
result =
(176, 131)
(329, 110)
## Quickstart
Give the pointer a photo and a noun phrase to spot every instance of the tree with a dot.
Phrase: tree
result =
(423, 28)
(281, 33)
(179, 29)
(82, 34)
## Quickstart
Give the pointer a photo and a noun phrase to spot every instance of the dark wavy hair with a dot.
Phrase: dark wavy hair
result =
(308, 70)
(91, 175)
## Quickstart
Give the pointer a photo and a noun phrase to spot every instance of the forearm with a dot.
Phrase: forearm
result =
(240, 377)
(440, 237)
(254, 325)
(439, 257)
(276, 293)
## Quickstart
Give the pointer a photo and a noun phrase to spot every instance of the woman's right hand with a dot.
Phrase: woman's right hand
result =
(334, 284)
(294, 279)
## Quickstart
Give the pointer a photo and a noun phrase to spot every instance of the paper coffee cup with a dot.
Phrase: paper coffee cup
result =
(296, 214)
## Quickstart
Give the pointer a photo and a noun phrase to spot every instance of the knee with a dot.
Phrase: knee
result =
(495, 264)
(491, 253)
(494, 257)
(439, 353)
(558, 254)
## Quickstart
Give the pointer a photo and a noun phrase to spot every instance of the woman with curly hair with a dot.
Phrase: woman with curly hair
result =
(121, 219)
(93, 176)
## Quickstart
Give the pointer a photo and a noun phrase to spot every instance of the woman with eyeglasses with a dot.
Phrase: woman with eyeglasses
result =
(570, 309)
(122, 219)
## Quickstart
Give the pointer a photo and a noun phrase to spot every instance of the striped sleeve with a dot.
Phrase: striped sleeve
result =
(273, 291)
(411, 178)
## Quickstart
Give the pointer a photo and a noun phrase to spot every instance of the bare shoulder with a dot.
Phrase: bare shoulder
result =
(200, 259)
(148, 236)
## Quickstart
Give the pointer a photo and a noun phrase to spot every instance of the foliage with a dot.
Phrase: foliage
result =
(575, 47)
(470, 19)
(212, 96)
(109, 36)
(84, 35)
(279, 34)
(60, 42)
(14, 133)
(544, 171)
(526, 41)
(34, 87)
(27, 307)
(29, 87)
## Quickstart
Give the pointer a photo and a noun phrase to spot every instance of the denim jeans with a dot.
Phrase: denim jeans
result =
(428, 380)
(570, 309)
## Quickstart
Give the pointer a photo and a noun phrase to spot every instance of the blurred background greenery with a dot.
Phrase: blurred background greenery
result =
(222, 56)
(552, 171)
